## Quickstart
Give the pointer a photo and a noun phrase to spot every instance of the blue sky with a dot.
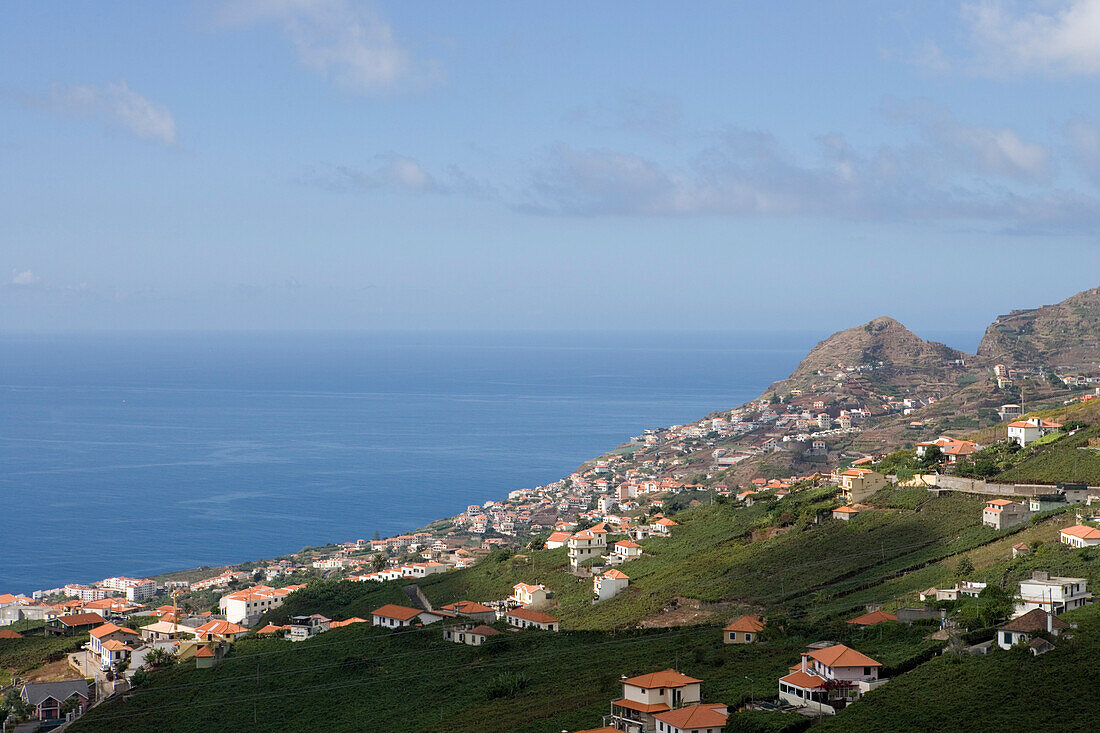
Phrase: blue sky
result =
(431, 165)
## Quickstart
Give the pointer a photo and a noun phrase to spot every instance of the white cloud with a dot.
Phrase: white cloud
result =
(988, 151)
(114, 104)
(1060, 37)
(391, 172)
(347, 43)
(23, 277)
(953, 172)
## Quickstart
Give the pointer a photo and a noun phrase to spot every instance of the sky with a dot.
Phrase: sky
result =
(335, 164)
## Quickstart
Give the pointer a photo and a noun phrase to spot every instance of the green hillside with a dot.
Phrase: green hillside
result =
(717, 556)
(363, 678)
(786, 558)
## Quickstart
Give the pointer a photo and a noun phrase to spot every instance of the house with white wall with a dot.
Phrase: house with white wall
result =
(610, 584)
(587, 544)
(1003, 514)
(829, 675)
(646, 696)
(1021, 630)
(1080, 535)
(1030, 429)
(1051, 593)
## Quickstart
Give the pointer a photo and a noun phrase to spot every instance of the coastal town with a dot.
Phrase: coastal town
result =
(606, 516)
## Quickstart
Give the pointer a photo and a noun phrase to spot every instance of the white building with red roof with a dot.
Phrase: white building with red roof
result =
(610, 584)
(587, 544)
(703, 718)
(247, 605)
(627, 550)
(828, 678)
(649, 695)
(1030, 429)
(1080, 535)
(556, 540)
(1003, 514)
(525, 618)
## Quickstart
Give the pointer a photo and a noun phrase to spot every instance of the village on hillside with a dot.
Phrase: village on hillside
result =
(605, 515)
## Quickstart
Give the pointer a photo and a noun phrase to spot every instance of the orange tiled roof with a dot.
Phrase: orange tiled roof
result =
(875, 617)
(664, 678)
(271, 629)
(641, 707)
(484, 630)
(467, 607)
(221, 628)
(347, 622)
(401, 613)
(109, 628)
(798, 678)
(536, 616)
(746, 623)
(81, 619)
(842, 656)
(1083, 532)
(695, 716)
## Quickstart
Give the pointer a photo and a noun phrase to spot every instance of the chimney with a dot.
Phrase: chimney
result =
(1040, 575)
(1050, 623)
(804, 658)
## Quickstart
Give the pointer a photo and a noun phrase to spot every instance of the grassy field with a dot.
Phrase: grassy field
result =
(362, 678)
(716, 556)
(20, 655)
(807, 575)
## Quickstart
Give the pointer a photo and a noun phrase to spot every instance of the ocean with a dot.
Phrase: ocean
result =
(137, 454)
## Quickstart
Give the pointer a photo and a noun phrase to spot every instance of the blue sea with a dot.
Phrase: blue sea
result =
(142, 453)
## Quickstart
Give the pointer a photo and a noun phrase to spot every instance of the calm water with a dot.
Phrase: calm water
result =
(136, 454)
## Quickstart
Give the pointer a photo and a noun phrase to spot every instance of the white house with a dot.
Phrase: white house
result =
(1030, 429)
(610, 584)
(1022, 629)
(708, 718)
(1047, 592)
(525, 618)
(1080, 535)
(648, 695)
(627, 549)
(246, 606)
(135, 589)
(586, 544)
(525, 594)
(110, 644)
(662, 526)
(393, 617)
(844, 513)
(1002, 514)
(556, 540)
(829, 675)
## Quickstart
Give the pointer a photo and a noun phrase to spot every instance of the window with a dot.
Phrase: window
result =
(867, 671)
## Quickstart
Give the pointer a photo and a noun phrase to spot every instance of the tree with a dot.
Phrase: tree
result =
(932, 456)
(376, 536)
(964, 567)
(378, 562)
(70, 706)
